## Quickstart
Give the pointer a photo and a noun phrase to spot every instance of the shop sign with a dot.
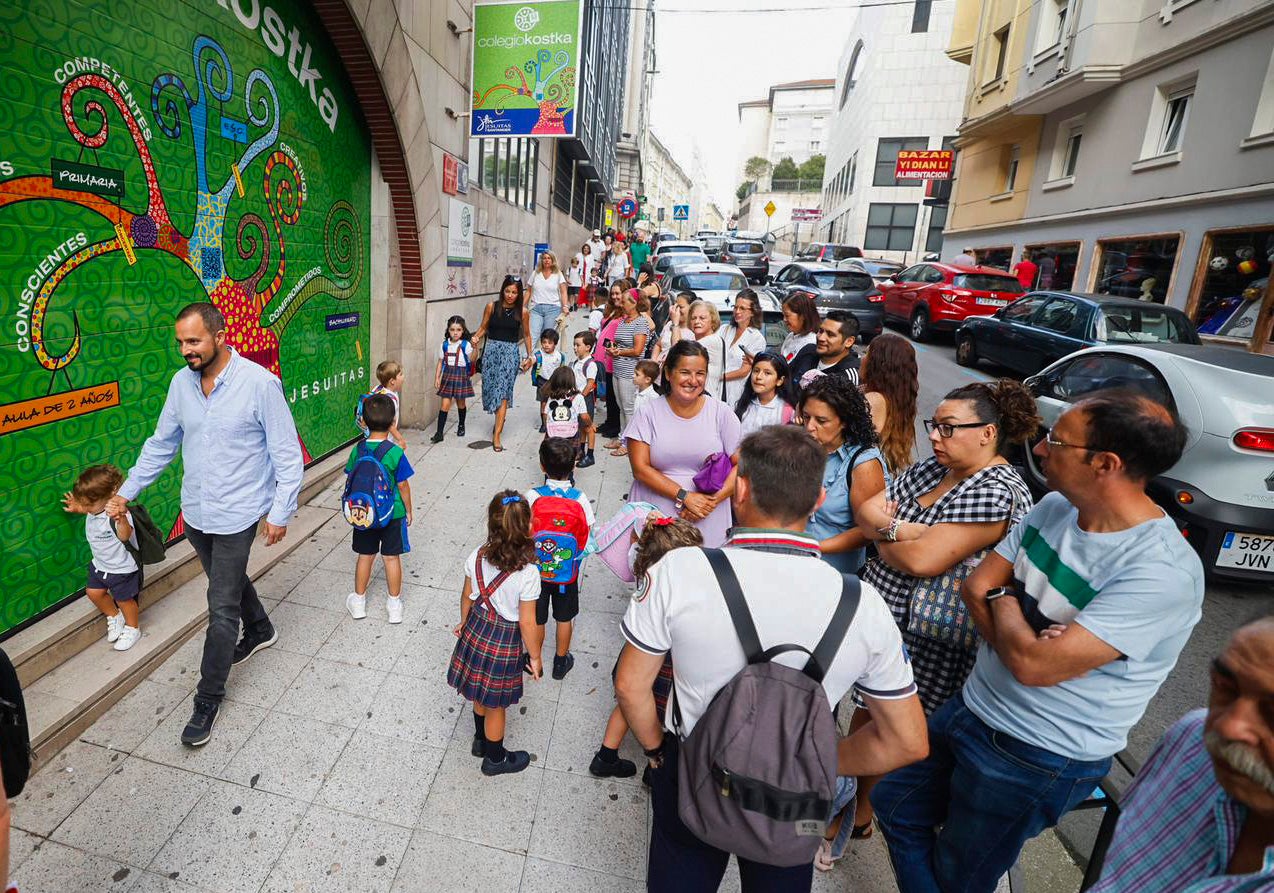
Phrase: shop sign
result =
(802, 215)
(924, 164)
(460, 235)
(450, 174)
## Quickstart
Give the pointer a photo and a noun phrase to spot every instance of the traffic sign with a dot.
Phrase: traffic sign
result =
(769, 209)
(800, 215)
(680, 212)
(627, 208)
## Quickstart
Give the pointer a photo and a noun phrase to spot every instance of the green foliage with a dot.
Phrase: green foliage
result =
(813, 168)
(786, 170)
(742, 192)
(756, 168)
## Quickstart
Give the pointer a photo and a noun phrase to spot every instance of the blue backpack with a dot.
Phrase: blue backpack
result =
(368, 500)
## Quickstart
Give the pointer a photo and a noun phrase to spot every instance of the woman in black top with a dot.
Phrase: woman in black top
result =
(503, 324)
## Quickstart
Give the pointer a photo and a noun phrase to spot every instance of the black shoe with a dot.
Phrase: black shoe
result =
(479, 748)
(199, 729)
(587, 461)
(437, 438)
(562, 665)
(645, 775)
(514, 761)
(616, 769)
(251, 643)
(542, 429)
(460, 430)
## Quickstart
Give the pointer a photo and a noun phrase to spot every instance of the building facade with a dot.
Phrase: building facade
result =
(667, 184)
(636, 118)
(896, 90)
(1132, 145)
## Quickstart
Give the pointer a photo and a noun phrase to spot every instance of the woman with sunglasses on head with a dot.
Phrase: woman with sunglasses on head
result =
(937, 519)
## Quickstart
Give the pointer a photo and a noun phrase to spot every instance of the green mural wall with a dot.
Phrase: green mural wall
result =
(152, 155)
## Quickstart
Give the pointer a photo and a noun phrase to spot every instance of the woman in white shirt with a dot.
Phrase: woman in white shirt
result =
(618, 264)
(705, 322)
(676, 328)
(546, 296)
(801, 316)
(744, 340)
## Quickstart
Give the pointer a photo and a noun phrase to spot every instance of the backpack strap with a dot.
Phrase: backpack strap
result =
(740, 616)
(485, 592)
(382, 449)
(825, 651)
(849, 467)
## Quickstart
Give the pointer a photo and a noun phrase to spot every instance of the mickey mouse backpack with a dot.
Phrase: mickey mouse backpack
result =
(368, 500)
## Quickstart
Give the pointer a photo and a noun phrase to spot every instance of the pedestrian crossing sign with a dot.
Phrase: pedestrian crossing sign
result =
(680, 212)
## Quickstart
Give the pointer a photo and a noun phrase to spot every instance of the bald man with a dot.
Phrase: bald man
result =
(1200, 815)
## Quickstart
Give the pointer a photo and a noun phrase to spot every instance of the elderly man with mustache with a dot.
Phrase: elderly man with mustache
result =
(1200, 816)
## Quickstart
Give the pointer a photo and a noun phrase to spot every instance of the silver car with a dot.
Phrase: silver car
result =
(720, 284)
(1221, 492)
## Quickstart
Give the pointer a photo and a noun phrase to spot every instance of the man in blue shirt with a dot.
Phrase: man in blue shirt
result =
(241, 460)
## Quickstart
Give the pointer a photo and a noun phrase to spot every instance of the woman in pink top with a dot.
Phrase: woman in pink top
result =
(611, 319)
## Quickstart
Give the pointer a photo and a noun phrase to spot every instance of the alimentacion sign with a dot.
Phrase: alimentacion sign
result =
(924, 164)
(525, 67)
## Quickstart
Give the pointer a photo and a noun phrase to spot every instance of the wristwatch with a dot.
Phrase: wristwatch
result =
(680, 500)
(1000, 592)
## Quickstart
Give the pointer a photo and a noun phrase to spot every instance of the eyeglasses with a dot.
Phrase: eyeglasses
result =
(1058, 444)
(946, 429)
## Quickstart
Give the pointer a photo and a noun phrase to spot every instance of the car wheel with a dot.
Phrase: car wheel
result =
(966, 352)
(920, 325)
(1023, 458)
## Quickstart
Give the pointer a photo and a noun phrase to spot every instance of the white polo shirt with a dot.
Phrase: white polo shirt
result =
(679, 607)
(522, 585)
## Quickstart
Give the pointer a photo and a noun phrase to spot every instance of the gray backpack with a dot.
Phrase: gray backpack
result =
(758, 773)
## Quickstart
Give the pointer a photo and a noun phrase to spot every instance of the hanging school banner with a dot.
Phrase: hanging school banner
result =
(152, 155)
(525, 65)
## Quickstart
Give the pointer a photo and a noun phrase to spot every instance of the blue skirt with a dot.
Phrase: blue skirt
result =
(499, 373)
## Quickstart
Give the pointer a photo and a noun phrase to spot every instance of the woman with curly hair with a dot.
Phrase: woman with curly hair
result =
(890, 381)
(836, 415)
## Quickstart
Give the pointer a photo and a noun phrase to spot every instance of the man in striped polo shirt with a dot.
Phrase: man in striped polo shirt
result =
(1084, 608)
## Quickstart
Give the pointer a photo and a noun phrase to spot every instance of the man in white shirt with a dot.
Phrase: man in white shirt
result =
(596, 248)
(966, 258)
(679, 608)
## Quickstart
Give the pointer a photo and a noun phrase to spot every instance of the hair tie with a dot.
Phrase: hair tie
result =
(508, 500)
(663, 522)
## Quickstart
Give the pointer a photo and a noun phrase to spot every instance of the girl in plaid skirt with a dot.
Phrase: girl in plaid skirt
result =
(451, 378)
(497, 627)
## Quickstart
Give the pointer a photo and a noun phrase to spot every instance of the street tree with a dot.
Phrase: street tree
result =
(756, 168)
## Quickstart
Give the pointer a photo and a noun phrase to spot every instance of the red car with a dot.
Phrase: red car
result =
(938, 297)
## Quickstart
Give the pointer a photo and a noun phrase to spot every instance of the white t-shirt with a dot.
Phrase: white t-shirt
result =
(644, 396)
(452, 353)
(575, 272)
(392, 395)
(548, 363)
(109, 554)
(595, 319)
(585, 371)
(793, 343)
(753, 342)
(591, 518)
(616, 264)
(596, 249)
(521, 586)
(665, 339)
(679, 608)
(758, 416)
(546, 291)
(716, 347)
(561, 416)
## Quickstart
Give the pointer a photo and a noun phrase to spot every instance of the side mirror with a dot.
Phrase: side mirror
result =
(1036, 384)
(895, 278)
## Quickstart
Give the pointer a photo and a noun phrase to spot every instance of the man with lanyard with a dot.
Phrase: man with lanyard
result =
(832, 352)
(679, 608)
(242, 460)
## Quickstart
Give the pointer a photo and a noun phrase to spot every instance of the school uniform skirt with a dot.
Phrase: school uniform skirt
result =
(486, 666)
(661, 687)
(455, 383)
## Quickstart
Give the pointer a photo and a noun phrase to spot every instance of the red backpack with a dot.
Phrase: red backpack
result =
(560, 530)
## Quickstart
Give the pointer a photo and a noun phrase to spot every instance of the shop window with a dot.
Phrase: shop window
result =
(1057, 262)
(1138, 268)
(890, 227)
(1235, 274)
(887, 158)
(999, 257)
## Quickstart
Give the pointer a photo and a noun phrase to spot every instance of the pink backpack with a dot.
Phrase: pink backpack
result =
(612, 540)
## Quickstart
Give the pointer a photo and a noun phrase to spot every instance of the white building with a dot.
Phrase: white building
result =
(666, 183)
(790, 123)
(895, 89)
(636, 116)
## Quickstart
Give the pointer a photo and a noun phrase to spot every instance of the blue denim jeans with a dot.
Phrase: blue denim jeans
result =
(543, 316)
(956, 822)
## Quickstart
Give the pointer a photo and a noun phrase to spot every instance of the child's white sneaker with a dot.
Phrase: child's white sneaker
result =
(394, 608)
(114, 626)
(128, 638)
(356, 605)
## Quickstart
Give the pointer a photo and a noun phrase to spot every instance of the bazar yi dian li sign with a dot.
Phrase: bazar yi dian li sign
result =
(525, 61)
(924, 164)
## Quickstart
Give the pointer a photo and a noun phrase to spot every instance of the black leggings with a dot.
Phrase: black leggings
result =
(611, 427)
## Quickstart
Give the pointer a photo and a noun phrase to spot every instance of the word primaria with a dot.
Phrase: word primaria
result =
(22, 323)
(273, 33)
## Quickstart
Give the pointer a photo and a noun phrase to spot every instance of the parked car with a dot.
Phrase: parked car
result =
(1221, 492)
(748, 255)
(675, 246)
(876, 267)
(828, 251)
(1043, 326)
(833, 288)
(720, 284)
(938, 297)
(669, 259)
(705, 233)
(713, 246)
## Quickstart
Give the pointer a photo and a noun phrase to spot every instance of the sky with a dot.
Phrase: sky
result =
(709, 62)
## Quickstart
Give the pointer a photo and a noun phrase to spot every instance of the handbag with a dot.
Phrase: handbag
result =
(715, 470)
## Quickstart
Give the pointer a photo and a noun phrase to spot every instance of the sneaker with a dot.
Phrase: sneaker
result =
(479, 748)
(562, 665)
(460, 430)
(618, 769)
(114, 626)
(514, 761)
(394, 608)
(251, 643)
(199, 729)
(356, 605)
(586, 461)
(437, 438)
(128, 638)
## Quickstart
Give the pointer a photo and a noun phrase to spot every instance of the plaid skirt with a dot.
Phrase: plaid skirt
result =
(455, 383)
(486, 666)
(662, 686)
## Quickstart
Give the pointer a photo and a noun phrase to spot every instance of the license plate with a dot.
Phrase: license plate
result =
(993, 302)
(1247, 551)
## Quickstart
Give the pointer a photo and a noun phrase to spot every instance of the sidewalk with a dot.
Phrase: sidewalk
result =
(340, 760)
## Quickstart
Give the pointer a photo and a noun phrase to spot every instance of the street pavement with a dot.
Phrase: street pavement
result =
(341, 757)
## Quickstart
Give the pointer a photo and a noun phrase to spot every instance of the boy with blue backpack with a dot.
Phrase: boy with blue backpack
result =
(377, 503)
(561, 524)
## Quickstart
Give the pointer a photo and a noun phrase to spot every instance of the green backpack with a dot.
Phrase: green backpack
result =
(150, 542)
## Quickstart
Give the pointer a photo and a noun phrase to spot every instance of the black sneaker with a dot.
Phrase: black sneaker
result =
(460, 430)
(616, 769)
(514, 761)
(251, 643)
(562, 665)
(437, 438)
(586, 461)
(479, 748)
(199, 729)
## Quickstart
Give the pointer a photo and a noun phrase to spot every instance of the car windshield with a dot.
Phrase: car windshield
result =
(672, 249)
(840, 252)
(989, 282)
(745, 248)
(848, 280)
(1143, 325)
(879, 270)
(772, 326)
(709, 282)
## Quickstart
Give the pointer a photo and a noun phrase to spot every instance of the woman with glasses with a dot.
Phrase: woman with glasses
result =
(938, 519)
